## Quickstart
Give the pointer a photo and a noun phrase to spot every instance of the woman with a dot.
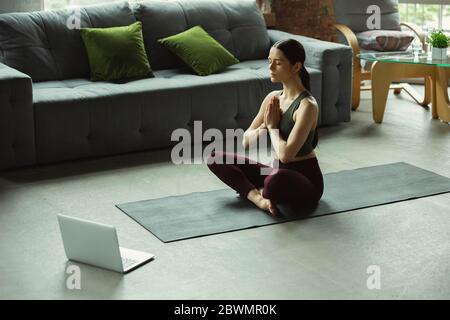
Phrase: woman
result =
(294, 112)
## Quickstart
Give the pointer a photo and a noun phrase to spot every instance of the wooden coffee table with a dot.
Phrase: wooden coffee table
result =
(391, 66)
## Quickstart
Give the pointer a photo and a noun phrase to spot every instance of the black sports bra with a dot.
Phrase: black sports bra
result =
(287, 123)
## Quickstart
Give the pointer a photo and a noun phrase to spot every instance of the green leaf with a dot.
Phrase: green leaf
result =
(438, 39)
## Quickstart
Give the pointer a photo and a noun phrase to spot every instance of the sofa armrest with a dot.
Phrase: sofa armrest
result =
(335, 62)
(17, 145)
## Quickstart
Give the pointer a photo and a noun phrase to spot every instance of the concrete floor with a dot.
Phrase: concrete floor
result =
(325, 257)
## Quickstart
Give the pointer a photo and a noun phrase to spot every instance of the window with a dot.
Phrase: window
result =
(427, 14)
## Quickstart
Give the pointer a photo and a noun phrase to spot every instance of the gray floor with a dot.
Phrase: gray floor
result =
(324, 257)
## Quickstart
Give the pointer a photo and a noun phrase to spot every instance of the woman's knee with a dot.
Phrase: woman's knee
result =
(285, 186)
(273, 184)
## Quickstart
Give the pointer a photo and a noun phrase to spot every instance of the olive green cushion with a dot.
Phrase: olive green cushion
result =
(201, 52)
(116, 53)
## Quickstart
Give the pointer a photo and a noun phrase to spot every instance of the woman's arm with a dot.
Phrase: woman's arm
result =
(304, 119)
(251, 134)
(257, 125)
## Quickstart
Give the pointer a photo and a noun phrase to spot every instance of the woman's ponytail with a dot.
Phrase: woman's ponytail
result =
(304, 76)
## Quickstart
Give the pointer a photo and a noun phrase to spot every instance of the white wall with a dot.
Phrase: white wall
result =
(20, 5)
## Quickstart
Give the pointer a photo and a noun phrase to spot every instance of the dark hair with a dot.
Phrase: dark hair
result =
(294, 52)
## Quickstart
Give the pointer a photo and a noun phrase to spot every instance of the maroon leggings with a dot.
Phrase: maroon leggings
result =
(298, 183)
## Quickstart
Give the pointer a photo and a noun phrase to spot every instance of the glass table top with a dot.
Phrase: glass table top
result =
(405, 57)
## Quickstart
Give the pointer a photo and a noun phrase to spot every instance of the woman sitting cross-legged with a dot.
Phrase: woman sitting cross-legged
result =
(291, 118)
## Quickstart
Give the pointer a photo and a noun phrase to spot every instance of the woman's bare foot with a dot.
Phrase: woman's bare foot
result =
(272, 208)
(262, 203)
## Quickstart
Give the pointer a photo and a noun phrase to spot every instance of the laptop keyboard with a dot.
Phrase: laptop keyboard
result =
(127, 262)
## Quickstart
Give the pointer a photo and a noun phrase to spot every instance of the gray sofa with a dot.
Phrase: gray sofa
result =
(50, 111)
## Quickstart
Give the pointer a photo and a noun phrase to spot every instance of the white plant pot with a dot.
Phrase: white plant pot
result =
(439, 53)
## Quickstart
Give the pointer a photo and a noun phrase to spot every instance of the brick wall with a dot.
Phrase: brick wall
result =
(312, 18)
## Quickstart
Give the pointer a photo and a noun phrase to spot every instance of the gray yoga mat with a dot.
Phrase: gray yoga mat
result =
(204, 213)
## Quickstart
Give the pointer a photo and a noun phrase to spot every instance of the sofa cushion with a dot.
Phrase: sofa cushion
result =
(238, 25)
(25, 47)
(41, 45)
(67, 45)
(199, 51)
(116, 53)
(385, 40)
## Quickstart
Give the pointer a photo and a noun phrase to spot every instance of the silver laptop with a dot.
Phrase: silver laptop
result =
(97, 244)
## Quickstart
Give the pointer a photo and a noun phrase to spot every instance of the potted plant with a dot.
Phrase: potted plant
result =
(439, 43)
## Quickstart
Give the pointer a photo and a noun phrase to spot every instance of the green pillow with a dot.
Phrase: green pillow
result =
(116, 53)
(201, 52)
